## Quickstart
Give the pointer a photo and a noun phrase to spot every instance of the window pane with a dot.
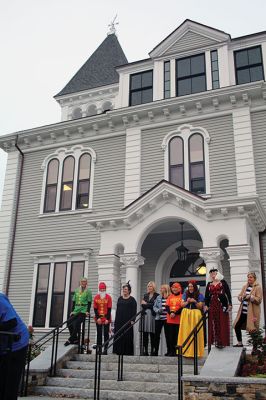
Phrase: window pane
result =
(176, 151)
(198, 84)
(66, 196)
(215, 66)
(256, 74)
(215, 85)
(50, 198)
(214, 55)
(147, 79)
(167, 66)
(135, 81)
(167, 76)
(84, 166)
(254, 56)
(196, 148)
(184, 87)
(198, 186)
(241, 58)
(83, 194)
(183, 67)
(52, 172)
(77, 271)
(58, 294)
(146, 95)
(215, 75)
(167, 86)
(177, 176)
(135, 98)
(68, 173)
(197, 171)
(197, 65)
(40, 304)
(243, 76)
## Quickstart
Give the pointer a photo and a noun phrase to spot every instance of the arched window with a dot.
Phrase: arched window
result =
(83, 187)
(51, 186)
(176, 161)
(67, 183)
(196, 164)
(77, 113)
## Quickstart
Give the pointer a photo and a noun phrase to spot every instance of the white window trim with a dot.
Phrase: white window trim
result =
(60, 154)
(185, 131)
(80, 256)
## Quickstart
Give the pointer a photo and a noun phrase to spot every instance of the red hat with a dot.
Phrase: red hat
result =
(102, 286)
(177, 286)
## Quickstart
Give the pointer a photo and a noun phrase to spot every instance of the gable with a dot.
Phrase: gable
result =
(189, 41)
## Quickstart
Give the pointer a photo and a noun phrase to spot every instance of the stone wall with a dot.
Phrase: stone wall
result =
(236, 388)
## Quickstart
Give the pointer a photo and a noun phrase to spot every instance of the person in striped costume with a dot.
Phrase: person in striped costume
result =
(248, 316)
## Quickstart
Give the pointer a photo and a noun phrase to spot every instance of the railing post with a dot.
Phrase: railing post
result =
(99, 373)
(88, 335)
(95, 374)
(56, 350)
(52, 355)
(195, 352)
(180, 373)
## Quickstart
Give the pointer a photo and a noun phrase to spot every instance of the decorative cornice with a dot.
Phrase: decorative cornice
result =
(147, 116)
(248, 207)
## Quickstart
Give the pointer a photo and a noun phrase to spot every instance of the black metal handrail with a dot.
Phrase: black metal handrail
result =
(53, 335)
(11, 338)
(109, 343)
(181, 350)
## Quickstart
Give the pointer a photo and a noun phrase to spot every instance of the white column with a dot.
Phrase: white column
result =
(109, 272)
(212, 257)
(239, 258)
(132, 261)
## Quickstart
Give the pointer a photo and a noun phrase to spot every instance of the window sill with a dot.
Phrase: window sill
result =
(69, 212)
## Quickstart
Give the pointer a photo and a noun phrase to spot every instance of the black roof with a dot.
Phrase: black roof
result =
(99, 69)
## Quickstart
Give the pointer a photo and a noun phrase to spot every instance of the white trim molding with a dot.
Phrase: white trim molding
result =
(60, 154)
(185, 131)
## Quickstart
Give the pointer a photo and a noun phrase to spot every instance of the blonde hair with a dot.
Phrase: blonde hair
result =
(167, 288)
(252, 274)
(153, 284)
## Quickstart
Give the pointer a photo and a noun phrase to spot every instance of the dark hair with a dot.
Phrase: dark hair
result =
(128, 286)
(213, 270)
(195, 294)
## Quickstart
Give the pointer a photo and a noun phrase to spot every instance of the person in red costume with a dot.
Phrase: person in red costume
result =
(173, 308)
(102, 305)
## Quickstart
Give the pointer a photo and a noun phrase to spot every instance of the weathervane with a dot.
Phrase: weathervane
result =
(112, 29)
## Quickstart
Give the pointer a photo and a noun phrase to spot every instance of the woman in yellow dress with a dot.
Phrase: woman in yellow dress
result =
(192, 304)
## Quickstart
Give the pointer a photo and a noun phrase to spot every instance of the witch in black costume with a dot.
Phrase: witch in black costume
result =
(126, 309)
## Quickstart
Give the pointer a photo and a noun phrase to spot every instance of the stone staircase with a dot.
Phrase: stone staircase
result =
(145, 378)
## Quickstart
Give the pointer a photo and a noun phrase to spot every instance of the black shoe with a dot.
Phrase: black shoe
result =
(219, 346)
(238, 345)
(67, 343)
(154, 353)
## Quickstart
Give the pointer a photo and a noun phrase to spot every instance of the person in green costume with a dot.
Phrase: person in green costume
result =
(82, 299)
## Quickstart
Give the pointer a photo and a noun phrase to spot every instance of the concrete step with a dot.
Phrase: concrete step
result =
(105, 394)
(123, 386)
(137, 359)
(127, 367)
(168, 376)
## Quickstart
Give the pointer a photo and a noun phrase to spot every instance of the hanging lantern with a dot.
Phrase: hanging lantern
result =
(201, 270)
(182, 251)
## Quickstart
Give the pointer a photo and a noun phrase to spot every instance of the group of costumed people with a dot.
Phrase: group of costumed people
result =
(175, 312)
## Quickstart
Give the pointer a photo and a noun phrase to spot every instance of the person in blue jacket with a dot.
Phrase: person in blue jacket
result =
(12, 360)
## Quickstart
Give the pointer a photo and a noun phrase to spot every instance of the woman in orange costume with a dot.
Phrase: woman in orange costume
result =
(173, 308)
(192, 303)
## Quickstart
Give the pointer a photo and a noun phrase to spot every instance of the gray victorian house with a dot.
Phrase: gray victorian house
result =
(148, 156)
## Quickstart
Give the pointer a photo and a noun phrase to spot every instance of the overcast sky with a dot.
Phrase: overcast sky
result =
(44, 42)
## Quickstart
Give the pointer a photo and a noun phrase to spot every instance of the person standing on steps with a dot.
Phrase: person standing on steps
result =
(82, 299)
(248, 316)
(173, 308)
(219, 302)
(147, 304)
(102, 305)
(161, 318)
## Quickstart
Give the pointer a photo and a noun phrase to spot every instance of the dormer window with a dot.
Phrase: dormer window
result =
(141, 85)
(190, 75)
(248, 65)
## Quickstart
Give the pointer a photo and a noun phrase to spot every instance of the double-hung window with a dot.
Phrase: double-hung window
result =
(190, 75)
(141, 88)
(248, 65)
(55, 285)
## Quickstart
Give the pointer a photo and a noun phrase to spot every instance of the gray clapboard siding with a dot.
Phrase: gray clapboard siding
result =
(66, 232)
(222, 155)
(190, 41)
(258, 123)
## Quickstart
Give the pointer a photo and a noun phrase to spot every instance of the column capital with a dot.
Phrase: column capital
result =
(241, 252)
(211, 254)
(132, 260)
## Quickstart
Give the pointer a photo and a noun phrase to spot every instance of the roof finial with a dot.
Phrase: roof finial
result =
(112, 29)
